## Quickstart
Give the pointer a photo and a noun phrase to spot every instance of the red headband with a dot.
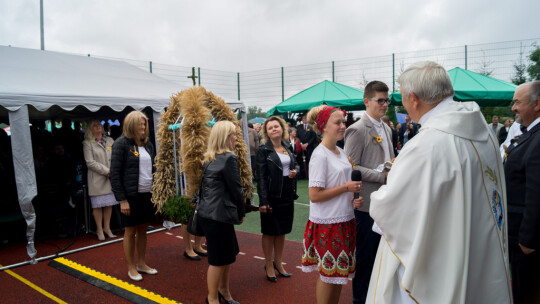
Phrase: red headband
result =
(324, 114)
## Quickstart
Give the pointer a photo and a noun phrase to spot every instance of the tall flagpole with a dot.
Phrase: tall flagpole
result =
(41, 23)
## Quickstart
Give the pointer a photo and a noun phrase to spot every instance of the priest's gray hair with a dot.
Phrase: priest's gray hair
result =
(428, 80)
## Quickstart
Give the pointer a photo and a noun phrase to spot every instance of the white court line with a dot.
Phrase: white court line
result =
(299, 267)
(242, 253)
(258, 257)
(168, 233)
(179, 237)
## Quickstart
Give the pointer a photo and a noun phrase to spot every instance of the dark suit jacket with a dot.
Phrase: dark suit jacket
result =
(502, 135)
(411, 135)
(308, 136)
(522, 171)
(395, 141)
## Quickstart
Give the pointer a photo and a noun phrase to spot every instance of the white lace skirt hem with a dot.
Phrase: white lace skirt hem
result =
(105, 200)
(329, 280)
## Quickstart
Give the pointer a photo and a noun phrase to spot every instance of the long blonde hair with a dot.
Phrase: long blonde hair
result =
(218, 142)
(131, 127)
(88, 135)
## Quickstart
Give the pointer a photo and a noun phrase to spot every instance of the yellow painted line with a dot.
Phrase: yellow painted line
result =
(114, 281)
(34, 286)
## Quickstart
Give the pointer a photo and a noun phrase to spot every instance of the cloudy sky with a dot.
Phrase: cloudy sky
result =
(246, 35)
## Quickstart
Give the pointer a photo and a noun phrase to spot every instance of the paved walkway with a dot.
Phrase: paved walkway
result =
(178, 280)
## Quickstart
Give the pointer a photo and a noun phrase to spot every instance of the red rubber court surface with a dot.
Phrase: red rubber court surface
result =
(179, 279)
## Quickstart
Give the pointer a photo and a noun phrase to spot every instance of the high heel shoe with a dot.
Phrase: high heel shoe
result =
(221, 297)
(111, 236)
(193, 258)
(200, 253)
(285, 275)
(271, 279)
(207, 300)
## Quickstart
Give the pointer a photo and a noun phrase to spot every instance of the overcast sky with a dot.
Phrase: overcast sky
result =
(247, 35)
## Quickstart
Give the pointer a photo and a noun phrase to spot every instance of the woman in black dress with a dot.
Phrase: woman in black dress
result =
(277, 191)
(220, 207)
(132, 166)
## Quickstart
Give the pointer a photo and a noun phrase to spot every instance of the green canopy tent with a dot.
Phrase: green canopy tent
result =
(471, 86)
(326, 92)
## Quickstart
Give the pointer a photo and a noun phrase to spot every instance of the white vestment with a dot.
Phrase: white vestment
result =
(442, 215)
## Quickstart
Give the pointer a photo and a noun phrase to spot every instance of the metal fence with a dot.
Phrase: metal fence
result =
(266, 88)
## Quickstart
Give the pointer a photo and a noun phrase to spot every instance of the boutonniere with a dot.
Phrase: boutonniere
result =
(134, 151)
(109, 148)
(351, 161)
(377, 138)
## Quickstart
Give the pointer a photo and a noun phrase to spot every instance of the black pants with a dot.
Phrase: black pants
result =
(367, 243)
(525, 275)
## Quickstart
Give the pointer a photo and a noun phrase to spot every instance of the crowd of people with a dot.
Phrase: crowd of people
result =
(455, 218)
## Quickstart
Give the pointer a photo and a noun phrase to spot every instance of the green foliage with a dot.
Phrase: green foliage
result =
(485, 66)
(534, 68)
(520, 68)
(502, 112)
(255, 111)
(177, 209)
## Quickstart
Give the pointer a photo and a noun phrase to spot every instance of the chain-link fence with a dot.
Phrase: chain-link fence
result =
(267, 88)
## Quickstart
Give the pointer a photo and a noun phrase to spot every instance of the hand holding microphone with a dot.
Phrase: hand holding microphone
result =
(356, 177)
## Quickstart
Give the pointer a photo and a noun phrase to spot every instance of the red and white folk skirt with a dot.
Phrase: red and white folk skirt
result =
(330, 249)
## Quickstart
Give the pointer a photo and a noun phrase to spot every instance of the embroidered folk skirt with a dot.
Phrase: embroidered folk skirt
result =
(330, 249)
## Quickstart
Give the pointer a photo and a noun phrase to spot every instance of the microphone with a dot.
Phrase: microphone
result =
(356, 176)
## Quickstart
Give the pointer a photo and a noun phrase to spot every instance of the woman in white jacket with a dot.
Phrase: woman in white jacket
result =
(97, 153)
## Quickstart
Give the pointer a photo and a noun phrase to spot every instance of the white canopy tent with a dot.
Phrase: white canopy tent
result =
(43, 84)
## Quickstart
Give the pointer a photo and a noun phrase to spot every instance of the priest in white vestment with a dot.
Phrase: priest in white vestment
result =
(442, 213)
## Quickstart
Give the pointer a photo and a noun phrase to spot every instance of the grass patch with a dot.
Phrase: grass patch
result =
(252, 222)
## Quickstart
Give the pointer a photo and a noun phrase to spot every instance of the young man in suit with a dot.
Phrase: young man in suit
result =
(523, 185)
(307, 137)
(369, 143)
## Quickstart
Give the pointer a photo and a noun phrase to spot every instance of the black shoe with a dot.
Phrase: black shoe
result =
(206, 300)
(193, 258)
(285, 275)
(221, 297)
(200, 253)
(271, 279)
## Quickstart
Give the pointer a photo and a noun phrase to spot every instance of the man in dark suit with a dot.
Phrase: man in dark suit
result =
(307, 137)
(411, 131)
(387, 121)
(522, 169)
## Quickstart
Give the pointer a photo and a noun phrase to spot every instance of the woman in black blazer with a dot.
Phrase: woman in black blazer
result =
(220, 207)
(277, 191)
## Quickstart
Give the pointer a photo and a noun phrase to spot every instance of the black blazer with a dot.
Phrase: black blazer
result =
(221, 197)
(308, 136)
(125, 167)
(522, 173)
(270, 172)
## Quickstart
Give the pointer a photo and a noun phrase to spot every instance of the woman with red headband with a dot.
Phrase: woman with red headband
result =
(330, 236)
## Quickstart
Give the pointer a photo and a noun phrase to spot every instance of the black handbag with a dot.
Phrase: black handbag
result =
(193, 225)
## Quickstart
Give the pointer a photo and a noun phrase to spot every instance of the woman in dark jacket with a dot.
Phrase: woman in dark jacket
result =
(277, 192)
(221, 206)
(132, 166)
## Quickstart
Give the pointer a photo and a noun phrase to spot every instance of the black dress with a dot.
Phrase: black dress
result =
(276, 190)
(280, 221)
